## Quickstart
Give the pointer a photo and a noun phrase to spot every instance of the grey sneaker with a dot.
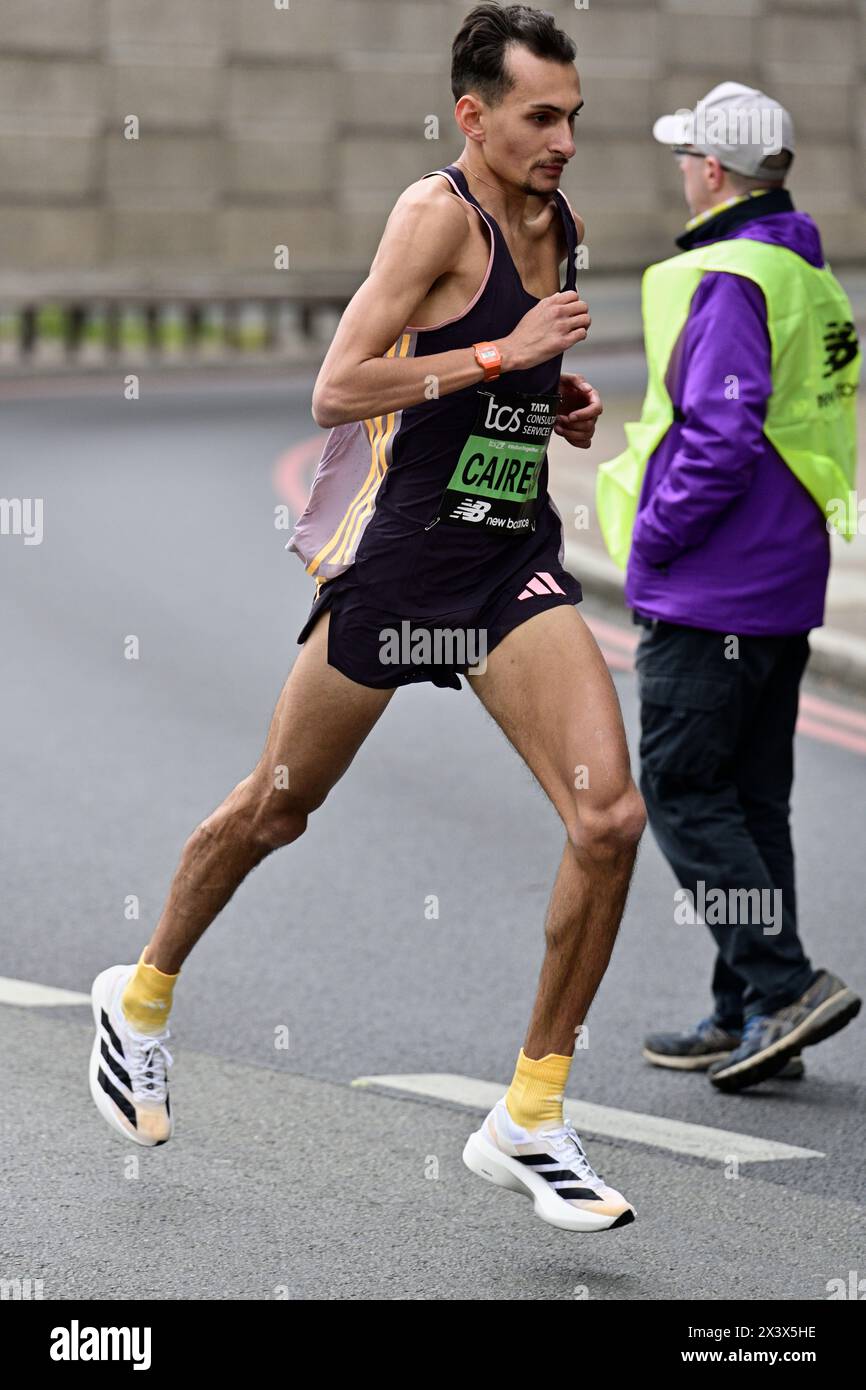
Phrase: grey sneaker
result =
(793, 1070)
(705, 1044)
(769, 1041)
(694, 1051)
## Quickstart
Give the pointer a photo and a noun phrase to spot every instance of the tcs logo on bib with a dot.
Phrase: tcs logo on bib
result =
(498, 417)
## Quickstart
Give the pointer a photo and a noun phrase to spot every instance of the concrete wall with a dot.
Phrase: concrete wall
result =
(261, 126)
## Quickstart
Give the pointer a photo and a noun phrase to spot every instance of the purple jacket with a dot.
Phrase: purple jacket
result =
(726, 538)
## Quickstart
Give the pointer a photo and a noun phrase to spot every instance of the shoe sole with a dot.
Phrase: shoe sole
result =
(100, 998)
(674, 1063)
(486, 1161)
(661, 1059)
(793, 1070)
(829, 1018)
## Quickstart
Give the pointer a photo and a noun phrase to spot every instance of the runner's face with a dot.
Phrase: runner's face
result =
(530, 135)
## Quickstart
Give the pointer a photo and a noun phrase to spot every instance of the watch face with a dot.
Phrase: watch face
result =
(489, 354)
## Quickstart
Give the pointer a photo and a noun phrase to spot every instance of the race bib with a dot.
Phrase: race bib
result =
(494, 486)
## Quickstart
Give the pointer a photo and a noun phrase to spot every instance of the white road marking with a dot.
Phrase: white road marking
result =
(28, 994)
(700, 1141)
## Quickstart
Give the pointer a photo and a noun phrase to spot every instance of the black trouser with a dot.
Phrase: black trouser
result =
(717, 764)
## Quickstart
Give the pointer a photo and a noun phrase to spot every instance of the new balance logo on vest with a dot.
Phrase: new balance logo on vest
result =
(541, 583)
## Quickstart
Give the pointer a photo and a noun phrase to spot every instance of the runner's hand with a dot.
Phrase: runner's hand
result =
(581, 407)
(551, 327)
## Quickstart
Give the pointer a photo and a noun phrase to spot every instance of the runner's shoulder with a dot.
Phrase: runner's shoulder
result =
(431, 216)
(436, 197)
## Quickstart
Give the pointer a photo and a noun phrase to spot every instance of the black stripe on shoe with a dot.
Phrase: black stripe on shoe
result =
(584, 1194)
(557, 1175)
(115, 1040)
(119, 1071)
(536, 1160)
(119, 1099)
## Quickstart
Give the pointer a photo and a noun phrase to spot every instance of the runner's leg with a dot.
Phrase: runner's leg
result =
(320, 722)
(549, 690)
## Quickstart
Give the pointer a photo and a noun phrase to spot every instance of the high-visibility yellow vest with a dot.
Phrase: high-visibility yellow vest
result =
(815, 361)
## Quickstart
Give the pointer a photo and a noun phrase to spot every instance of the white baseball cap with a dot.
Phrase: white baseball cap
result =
(739, 125)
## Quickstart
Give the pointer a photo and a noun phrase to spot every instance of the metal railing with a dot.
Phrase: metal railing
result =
(91, 319)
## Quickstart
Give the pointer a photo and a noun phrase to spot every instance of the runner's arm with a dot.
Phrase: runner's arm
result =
(421, 242)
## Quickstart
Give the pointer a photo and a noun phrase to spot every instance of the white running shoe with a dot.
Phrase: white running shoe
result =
(127, 1069)
(551, 1167)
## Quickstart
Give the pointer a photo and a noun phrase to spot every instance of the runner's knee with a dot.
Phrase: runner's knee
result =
(275, 823)
(610, 829)
(267, 817)
(279, 815)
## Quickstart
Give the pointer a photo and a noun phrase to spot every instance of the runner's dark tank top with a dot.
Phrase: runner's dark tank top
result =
(377, 490)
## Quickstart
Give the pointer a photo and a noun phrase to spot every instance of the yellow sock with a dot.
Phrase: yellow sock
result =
(146, 1001)
(534, 1097)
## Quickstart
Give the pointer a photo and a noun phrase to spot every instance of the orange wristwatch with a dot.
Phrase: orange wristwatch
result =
(488, 357)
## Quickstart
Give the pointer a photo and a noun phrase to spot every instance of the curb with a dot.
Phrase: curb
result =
(16, 372)
(835, 654)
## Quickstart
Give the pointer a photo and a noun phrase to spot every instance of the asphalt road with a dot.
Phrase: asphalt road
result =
(159, 524)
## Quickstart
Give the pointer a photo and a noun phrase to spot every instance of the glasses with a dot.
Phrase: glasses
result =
(696, 154)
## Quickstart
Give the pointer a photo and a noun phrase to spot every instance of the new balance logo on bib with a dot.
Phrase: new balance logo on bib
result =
(470, 511)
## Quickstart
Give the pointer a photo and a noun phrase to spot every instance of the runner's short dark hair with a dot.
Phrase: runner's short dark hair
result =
(478, 54)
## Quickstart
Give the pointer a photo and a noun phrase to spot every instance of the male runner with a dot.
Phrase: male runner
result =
(430, 507)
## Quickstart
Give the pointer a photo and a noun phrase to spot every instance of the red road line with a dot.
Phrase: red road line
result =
(840, 713)
(828, 734)
(609, 632)
(615, 660)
